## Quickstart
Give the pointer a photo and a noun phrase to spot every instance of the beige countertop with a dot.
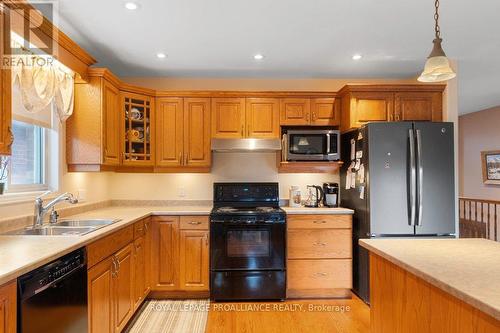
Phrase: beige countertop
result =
(320, 210)
(468, 269)
(21, 254)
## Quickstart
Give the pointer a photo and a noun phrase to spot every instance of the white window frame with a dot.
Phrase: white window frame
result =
(43, 186)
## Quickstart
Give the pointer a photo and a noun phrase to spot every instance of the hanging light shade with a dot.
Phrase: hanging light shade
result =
(437, 67)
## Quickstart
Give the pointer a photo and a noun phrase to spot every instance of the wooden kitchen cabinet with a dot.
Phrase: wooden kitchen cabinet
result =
(123, 287)
(194, 255)
(6, 137)
(8, 307)
(183, 133)
(137, 131)
(362, 104)
(325, 112)
(169, 132)
(418, 106)
(93, 131)
(262, 118)
(295, 111)
(165, 253)
(180, 258)
(319, 256)
(142, 254)
(110, 290)
(228, 118)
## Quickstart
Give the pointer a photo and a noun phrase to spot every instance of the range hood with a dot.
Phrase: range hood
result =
(246, 145)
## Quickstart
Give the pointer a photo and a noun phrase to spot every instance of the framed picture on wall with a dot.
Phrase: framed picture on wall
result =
(491, 166)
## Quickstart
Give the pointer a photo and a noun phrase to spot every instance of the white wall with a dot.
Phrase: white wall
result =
(226, 167)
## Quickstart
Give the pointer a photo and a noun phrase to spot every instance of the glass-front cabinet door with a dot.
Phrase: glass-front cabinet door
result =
(137, 129)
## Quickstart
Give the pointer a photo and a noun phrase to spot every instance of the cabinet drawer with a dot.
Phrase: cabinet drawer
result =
(104, 247)
(139, 229)
(319, 244)
(319, 274)
(194, 222)
(319, 221)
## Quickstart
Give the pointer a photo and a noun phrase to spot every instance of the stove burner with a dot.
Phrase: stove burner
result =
(265, 209)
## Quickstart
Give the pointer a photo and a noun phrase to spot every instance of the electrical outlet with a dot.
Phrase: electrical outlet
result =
(81, 195)
(181, 192)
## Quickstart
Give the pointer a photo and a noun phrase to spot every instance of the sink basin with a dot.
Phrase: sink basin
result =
(54, 231)
(86, 223)
(66, 228)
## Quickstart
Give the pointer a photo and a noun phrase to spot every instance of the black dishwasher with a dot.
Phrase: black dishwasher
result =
(53, 298)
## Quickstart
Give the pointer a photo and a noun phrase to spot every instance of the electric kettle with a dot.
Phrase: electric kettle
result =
(314, 196)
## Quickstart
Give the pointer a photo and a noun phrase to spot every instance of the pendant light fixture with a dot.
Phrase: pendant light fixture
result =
(437, 67)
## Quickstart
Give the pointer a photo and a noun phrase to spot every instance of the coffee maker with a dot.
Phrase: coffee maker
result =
(331, 194)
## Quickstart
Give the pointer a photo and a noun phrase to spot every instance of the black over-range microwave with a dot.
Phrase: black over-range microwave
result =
(311, 145)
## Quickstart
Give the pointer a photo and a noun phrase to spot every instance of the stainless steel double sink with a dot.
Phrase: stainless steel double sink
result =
(67, 227)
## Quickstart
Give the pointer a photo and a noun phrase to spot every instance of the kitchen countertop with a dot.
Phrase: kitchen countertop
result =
(21, 254)
(468, 269)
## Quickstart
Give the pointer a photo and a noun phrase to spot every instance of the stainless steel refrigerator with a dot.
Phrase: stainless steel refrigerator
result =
(399, 179)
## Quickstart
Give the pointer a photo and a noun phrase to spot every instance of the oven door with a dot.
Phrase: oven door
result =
(240, 246)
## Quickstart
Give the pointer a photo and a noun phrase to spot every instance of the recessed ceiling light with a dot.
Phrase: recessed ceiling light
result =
(131, 5)
(258, 56)
(357, 57)
(161, 55)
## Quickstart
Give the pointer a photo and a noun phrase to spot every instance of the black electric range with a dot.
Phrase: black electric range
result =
(247, 243)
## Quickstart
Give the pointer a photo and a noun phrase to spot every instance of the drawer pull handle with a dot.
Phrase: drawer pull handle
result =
(319, 244)
(319, 221)
(321, 274)
(195, 222)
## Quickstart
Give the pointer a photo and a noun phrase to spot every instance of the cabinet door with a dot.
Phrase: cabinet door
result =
(369, 107)
(6, 137)
(262, 118)
(228, 117)
(197, 132)
(194, 260)
(169, 132)
(100, 297)
(295, 111)
(8, 310)
(165, 253)
(325, 112)
(111, 123)
(138, 129)
(123, 287)
(147, 257)
(139, 270)
(418, 106)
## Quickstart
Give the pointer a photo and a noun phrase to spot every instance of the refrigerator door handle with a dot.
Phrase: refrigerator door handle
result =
(420, 177)
(413, 179)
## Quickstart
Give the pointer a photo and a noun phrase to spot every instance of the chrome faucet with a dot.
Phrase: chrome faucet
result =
(41, 210)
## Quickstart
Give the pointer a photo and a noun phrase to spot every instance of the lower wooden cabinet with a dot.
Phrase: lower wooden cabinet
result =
(118, 277)
(319, 258)
(8, 309)
(180, 255)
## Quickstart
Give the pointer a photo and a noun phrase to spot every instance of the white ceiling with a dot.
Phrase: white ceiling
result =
(299, 38)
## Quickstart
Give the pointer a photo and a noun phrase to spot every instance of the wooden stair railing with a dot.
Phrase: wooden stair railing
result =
(479, 218)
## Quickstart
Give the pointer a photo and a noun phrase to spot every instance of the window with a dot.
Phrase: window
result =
(28, 160)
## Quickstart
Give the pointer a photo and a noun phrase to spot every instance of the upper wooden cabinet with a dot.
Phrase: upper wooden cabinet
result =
(228, 118)
(309, 111)
(6, 137)
(368, 103)
(418, 106)
(325, 112)
(262, 118)
(137, 130)
(93, 131)
(169, 132)
(295, 111)
(183, 132)
(8, 307)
